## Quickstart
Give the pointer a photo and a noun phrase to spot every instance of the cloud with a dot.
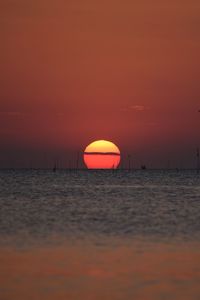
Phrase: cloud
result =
(17, 113)
(139, 108)
(11, 113)
(60, 114)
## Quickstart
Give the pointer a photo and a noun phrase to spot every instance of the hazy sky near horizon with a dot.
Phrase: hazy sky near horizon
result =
(79, 70)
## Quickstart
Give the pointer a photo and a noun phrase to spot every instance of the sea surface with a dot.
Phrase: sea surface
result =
(91, 235)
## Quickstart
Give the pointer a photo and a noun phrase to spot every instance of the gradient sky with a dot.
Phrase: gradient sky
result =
(79, 70)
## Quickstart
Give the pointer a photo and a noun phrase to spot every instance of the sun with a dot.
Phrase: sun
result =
(101, 155)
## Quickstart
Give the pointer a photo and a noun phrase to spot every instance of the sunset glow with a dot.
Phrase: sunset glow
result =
(99, 150)
(102, 155)
(72, 70)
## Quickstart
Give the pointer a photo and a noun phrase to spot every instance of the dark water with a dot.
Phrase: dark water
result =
(93, 235)
(42, 203)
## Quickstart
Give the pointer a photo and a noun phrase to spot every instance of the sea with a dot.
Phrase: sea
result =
(99, 234)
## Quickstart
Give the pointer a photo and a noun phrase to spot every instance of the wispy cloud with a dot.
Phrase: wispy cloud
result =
(11, 113)
(60, 114)
(138, 108)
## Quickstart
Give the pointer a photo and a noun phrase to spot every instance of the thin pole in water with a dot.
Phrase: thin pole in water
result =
(198, 161)
(129, 162)
(77, 161)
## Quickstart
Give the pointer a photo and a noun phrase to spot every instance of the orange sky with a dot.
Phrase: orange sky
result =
(79, 70)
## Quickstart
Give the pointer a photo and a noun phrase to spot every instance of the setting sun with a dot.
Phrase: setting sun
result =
(102, 155)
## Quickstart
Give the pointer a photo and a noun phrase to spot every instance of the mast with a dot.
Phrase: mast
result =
(77, 161)
(54, 168)
(198, 161)
(129, 162)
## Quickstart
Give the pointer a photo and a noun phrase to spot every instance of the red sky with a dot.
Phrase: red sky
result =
(79, 70)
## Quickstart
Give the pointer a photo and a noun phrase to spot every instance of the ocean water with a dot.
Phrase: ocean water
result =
(99, 235)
